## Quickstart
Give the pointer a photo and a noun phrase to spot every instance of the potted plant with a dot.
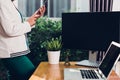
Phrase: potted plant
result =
(53, 47)
(45, 29)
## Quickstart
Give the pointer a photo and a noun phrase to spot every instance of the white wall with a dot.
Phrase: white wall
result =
(73, 5)
(82, 6)
(116, 5)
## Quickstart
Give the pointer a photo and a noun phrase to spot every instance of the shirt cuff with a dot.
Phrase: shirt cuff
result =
(28, 26)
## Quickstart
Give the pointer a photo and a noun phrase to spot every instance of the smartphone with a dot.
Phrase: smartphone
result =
(43, 2)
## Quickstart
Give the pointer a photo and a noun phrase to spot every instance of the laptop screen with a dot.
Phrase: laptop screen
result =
(108, 62)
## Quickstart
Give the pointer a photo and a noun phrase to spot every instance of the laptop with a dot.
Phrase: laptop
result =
(100, 73)
(88, 63)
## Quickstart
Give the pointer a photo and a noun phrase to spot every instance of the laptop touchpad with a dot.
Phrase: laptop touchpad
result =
(72, 74)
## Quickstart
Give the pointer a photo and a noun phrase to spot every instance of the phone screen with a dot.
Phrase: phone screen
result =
(43, 2)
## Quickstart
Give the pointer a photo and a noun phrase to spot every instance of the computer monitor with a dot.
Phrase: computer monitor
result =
(90, 30)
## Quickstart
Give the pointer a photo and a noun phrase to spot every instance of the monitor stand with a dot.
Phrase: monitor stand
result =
(88, 63)
(93, 59)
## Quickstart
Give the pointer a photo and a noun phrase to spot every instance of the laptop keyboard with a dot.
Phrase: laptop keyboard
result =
(89, 74)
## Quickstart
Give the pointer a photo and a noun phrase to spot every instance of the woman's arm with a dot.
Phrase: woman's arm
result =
(10, 20)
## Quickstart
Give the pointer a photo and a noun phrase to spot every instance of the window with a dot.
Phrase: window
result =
(116, 5)
(56, 7)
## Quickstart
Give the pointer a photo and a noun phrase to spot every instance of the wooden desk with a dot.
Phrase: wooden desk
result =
(46, 71)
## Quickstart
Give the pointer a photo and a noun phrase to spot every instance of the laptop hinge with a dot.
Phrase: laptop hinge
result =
(101, 74)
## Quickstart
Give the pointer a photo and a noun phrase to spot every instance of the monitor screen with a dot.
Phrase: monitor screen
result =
(90, 31)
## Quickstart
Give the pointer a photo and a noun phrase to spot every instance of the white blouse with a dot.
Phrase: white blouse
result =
(12, 30)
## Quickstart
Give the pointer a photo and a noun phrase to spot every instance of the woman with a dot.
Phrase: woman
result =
(13, 41)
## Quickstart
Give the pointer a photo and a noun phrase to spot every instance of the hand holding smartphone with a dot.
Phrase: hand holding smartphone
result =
(43, 2)
(42, 7)
(40, 12)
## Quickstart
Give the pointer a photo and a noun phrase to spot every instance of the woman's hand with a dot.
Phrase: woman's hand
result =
(40, 12)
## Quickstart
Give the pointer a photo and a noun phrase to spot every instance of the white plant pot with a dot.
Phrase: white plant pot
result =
(53, 57)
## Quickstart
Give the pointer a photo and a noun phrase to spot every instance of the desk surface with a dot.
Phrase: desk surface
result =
(46, 71)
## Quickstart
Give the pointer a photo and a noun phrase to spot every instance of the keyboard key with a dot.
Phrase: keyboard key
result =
(89, 74)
